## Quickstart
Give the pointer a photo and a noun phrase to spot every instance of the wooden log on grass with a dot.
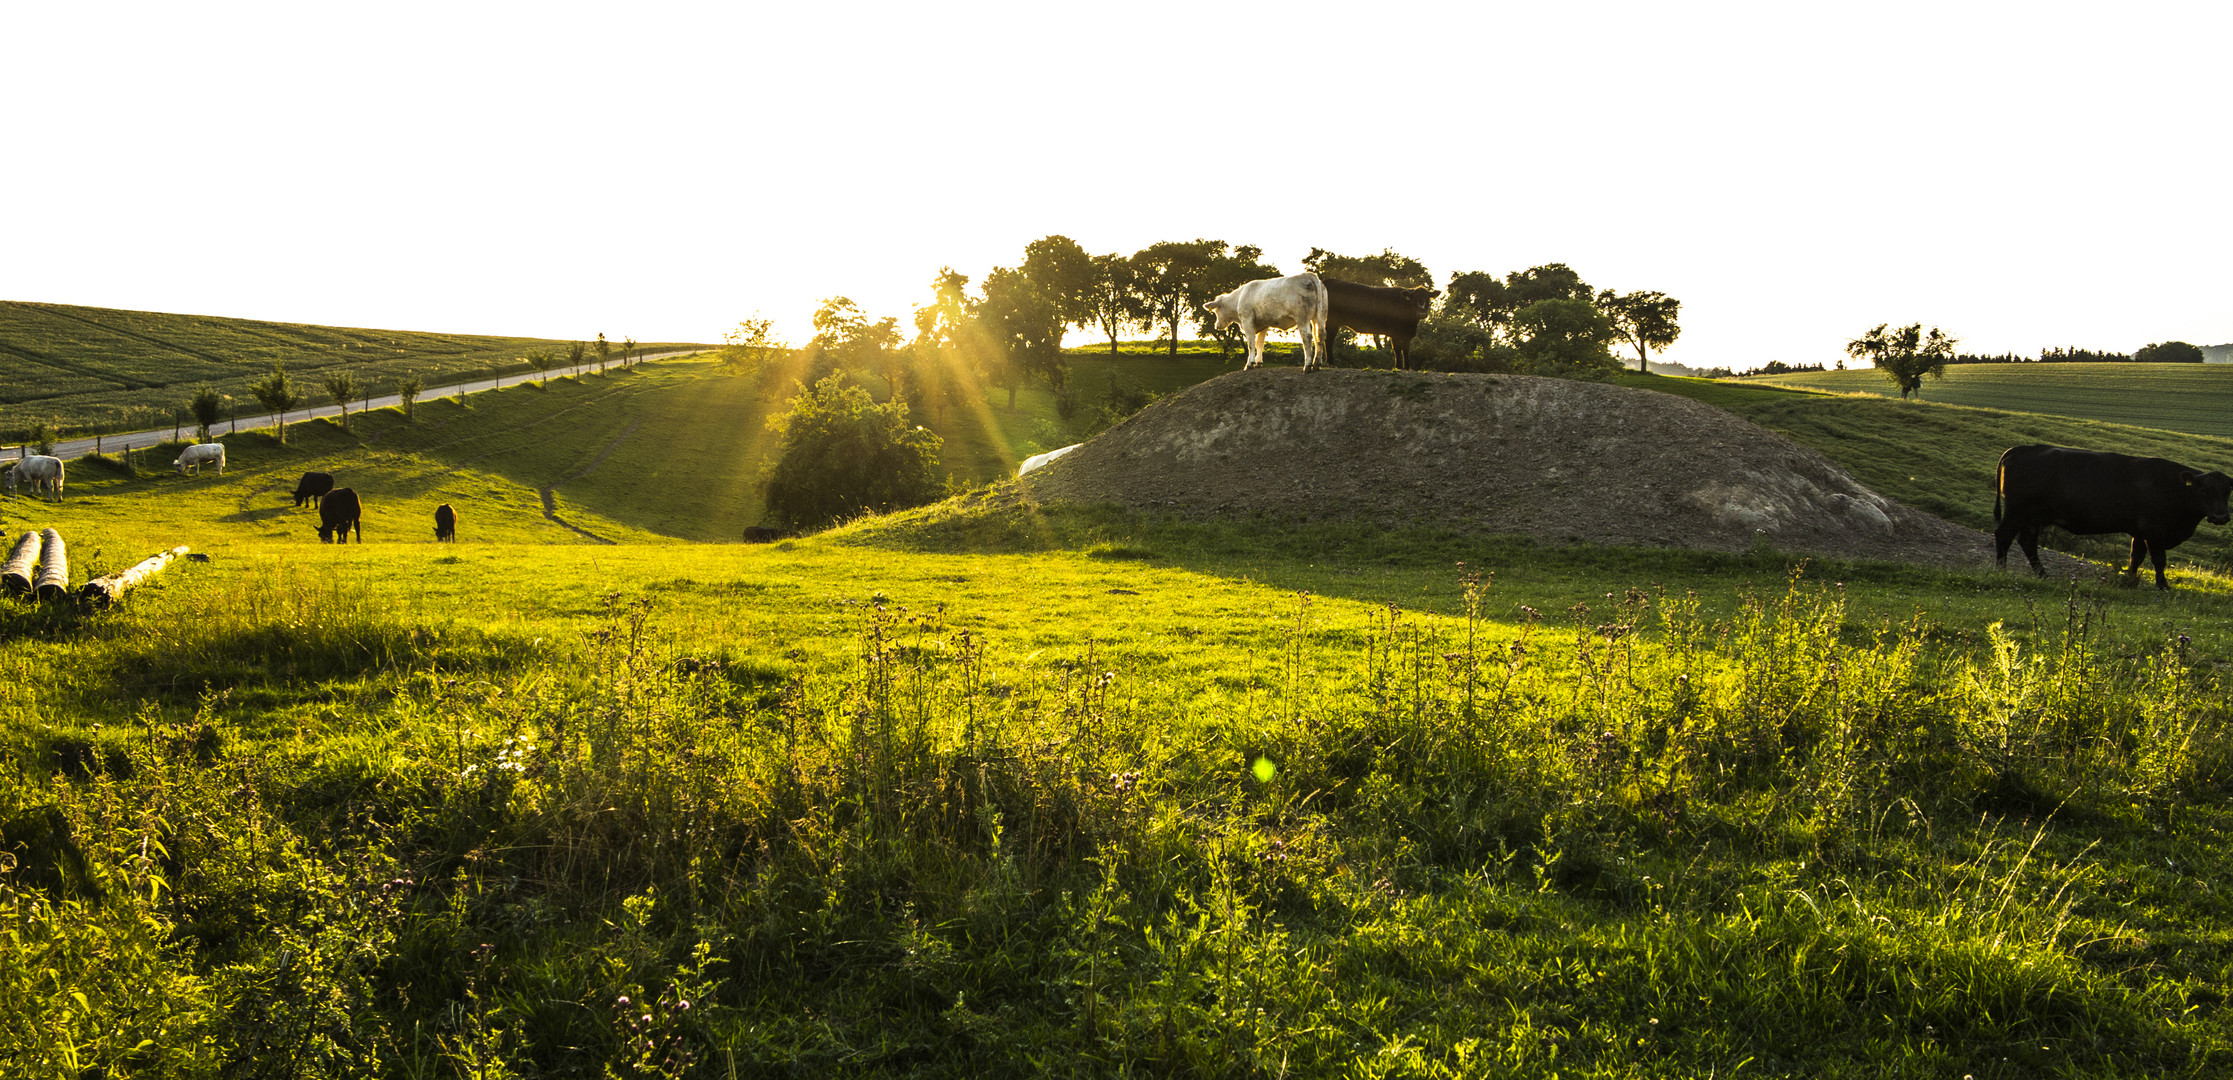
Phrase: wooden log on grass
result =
(54, 568)
(22, 567)
(104, 591)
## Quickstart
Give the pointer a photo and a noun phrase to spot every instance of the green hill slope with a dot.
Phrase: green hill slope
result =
(101, 369)
(2194, 398)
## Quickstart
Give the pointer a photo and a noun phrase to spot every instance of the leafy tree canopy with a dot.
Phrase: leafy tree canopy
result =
(1646, 320)
(2169, 352)
(1565, 337)
(1905, 355)
(843, 454)
(1387, 268)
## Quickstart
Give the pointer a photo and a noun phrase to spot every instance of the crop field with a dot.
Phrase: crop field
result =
(100, 369)
(2194, 398)
(992, 788)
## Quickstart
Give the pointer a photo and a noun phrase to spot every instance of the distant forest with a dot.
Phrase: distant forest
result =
(2168, 352)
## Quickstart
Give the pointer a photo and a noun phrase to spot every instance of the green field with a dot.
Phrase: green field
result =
(88, 370)
(993, 788)
(2194, 398)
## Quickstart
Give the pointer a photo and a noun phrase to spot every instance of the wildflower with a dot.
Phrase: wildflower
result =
(622, 1001)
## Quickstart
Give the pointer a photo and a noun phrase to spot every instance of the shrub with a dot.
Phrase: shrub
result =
(843, 454)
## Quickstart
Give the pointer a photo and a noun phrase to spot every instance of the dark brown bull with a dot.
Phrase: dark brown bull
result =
(445, 522)
(2158, 502)
(1374, 309)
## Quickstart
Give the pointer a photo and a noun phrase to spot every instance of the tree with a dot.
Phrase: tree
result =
(752, 347)
(1904, 355)
(1021, 329)
(604, 352)
(208, 407)
(1565, 337)
(1116, 297)
(1387, 269)
(1170, 276)
(412, 386)
(541, 360)
(1490, 305)
(342, 385)
(1065, 275)
(2169, 352)
(278, 393)
(574, 356)
(844, 336)
(842, 454)
(946, 352)
(1645, 319)
(627, 349)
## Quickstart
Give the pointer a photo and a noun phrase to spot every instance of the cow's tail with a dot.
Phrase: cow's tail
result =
(2000, 486)
(1325, 311)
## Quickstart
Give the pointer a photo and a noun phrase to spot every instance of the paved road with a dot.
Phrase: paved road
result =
(140, 440)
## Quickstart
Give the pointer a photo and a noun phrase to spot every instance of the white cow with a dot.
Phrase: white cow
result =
(199, 454)
(1037, 461)
(1276, 304)
(41, 473)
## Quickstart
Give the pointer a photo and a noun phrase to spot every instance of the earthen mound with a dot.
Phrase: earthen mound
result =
(1554, 459)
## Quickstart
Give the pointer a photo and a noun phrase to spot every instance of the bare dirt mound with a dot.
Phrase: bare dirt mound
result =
(1555, 459)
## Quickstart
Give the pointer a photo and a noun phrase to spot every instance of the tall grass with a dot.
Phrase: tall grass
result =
(1624, 839)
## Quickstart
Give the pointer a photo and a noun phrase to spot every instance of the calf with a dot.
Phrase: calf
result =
(1373, 309)
(198, 455)
(2157, 501)
(1296, 302)
(445, 523)
(338, 512)
(312, 487)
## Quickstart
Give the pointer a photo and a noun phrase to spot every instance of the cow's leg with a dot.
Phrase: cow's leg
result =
(2155, 553)
(2029, 538)
(1255, 347)
(2002, 537)
(2139, 552)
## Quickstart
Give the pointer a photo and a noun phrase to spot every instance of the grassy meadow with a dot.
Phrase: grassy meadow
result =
(87, 370)
(991, 788)
(2194, 398)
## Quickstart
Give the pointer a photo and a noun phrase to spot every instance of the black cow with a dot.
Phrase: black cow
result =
(2157, 501)
(337, 513)
(312, 487)
(762, 534)
(445, 522)
(1374, 309)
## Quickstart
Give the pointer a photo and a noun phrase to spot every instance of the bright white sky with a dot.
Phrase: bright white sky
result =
(2021, 174)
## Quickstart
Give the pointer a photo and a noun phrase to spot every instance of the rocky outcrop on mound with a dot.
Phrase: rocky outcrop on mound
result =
(1555, 459)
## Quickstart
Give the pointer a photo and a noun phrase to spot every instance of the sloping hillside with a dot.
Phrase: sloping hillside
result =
(87, 369)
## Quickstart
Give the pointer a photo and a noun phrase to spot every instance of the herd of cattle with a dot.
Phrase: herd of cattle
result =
(341, 509)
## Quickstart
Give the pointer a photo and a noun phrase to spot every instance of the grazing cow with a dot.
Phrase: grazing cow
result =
(2157, 501)
(40, 473)
(198, 455)
(445, 523)
(762, 534)
(312, 487)
(1040, 461)
(337, 512)
(1373, 309)
(1296, 302)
